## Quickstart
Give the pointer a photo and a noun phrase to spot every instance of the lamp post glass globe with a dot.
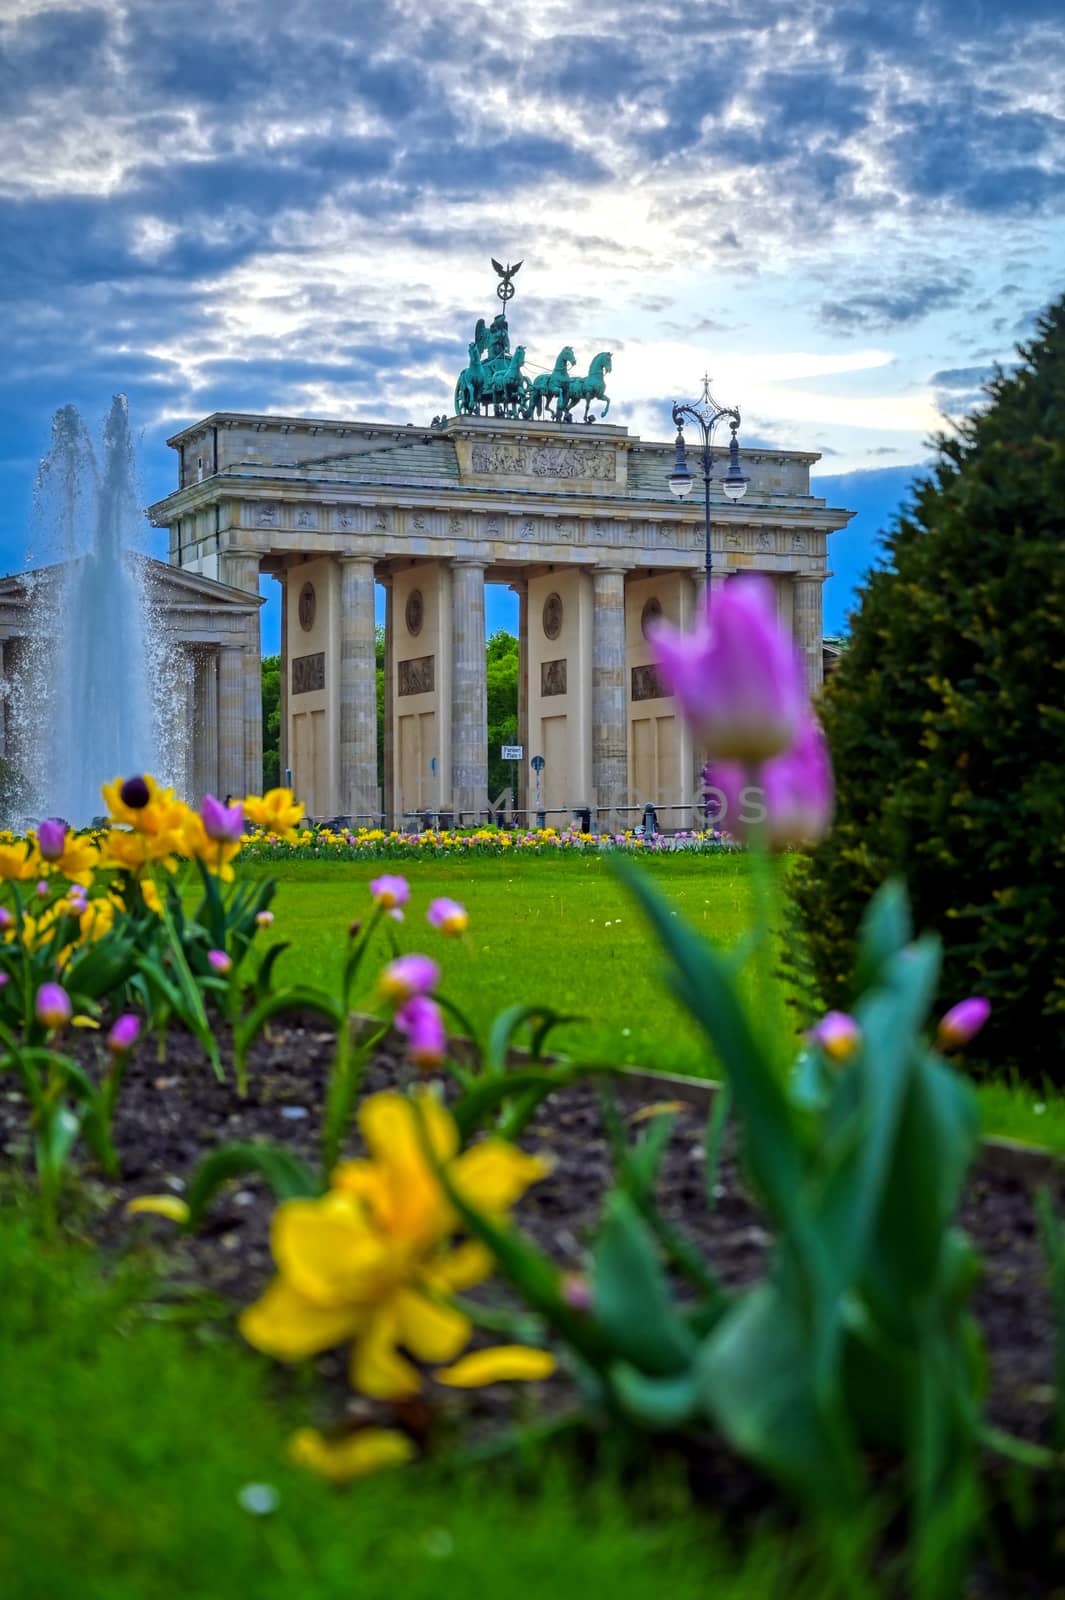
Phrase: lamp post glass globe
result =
(680, 484)
(734, 484)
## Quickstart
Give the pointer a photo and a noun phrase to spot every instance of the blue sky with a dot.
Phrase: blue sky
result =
(847, 213)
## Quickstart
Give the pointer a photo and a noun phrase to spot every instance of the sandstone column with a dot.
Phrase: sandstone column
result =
(808, 629)
(388, 775)
(205, 725)
(469, 693)
(231, 723)
(3, 702)
(284, 684)
(240, 568)
(358, 690)
(609, 713)
(521, 589)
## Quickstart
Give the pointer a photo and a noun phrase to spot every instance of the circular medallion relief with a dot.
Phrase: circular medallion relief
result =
(553, 616)
(650, 614)
(307, 607)
(414, 614)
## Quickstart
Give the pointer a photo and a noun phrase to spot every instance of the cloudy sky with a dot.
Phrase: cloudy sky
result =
(845, 212)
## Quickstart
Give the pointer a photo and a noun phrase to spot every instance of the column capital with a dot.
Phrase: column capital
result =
(477, 563)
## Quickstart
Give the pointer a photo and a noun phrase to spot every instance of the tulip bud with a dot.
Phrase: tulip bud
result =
(135, 794)
(838, 1035)
(6, 919)
(408, 976)
(448, 917)
(422, 1021)
(124, 1034)
(390, 891)
(52, 1006)
(220, 961)
(52, 838)
(224, 824)
(264, 919)
(962, 1022)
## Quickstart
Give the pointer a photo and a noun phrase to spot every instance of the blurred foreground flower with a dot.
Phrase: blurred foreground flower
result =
(220, 962)
(276, 811)
(52, 1006)
(223, 824)
(390, 891)
(505, 1363)
(838, 1035)
(962, 1022)
(51, 838)
(789, 799)
(448, 917)
(124, 1033)
(408, 976)
(422, 1021)
(738, 677)
(374, 1261)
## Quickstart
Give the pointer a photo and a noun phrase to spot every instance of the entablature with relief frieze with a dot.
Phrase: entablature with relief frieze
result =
(298, 526)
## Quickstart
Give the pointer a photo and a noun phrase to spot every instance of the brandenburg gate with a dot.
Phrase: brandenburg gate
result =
(515, 488)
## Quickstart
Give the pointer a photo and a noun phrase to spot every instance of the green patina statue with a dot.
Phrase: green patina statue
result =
(494, 384)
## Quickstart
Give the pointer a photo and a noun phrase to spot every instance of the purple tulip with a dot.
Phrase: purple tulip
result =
(6, 919)
(221, 962)
(962, 1022)
(390, 891)
(52, 1006)
(125, 1031)
(5, 979)
(408, 976)
(838, 1035)
(52, 838)
(738, 681)
(788, 800)
(423, 1023)
(448, 916)
(224, 824)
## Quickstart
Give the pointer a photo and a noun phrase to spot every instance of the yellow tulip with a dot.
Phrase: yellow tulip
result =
(375, 1260)
(276, 811)
(159, 1205)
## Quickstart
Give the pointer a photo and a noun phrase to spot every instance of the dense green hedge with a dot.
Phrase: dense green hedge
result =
(947, 720)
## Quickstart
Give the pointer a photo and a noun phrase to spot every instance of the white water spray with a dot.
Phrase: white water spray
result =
(88, 707)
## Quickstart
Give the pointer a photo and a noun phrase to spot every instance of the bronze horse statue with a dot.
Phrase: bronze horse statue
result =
(552, 386)
(589, 388)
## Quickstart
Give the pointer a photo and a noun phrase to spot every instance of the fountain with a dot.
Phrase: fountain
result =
(91, 702)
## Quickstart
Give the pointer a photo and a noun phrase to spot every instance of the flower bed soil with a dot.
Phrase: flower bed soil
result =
(171, 1113)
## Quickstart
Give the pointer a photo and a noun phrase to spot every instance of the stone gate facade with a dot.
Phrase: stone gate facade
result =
(578, 520)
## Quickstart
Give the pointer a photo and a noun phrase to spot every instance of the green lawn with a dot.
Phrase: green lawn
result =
(563, 931)
(126, 1444)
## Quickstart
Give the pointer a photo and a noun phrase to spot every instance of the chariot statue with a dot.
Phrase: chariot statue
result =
(493, 382)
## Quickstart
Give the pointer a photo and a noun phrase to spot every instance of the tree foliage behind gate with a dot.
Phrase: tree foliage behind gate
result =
(946, 719)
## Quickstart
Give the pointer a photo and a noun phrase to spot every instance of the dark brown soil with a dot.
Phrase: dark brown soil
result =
(172, 1112)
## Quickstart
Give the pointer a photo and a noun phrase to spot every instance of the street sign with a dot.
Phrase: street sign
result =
(512, 752)
(537, 763)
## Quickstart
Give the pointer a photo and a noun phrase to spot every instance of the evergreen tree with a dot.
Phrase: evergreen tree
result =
(946, 719)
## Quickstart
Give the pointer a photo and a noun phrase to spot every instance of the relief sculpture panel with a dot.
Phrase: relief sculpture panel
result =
(542, 461)
(417, 676)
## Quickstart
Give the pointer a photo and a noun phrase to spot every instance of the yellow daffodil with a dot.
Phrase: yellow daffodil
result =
(19, 862)
(504, 1363)
(276, 811)
(354, 1456)
(375, 1260)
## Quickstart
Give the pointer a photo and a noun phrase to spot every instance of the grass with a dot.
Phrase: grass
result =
(125, 1447)
(565, 933)
(560, 932)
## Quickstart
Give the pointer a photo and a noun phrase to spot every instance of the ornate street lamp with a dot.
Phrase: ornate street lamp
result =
(706, 414)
